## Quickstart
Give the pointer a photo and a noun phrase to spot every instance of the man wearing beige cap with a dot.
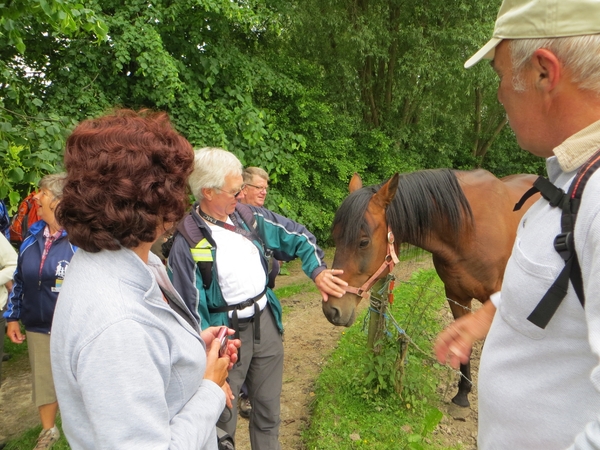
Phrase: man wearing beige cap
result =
(538, 384)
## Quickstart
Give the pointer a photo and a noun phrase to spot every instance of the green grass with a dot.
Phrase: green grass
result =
(304, 286)
(355, 404)
(28, 439)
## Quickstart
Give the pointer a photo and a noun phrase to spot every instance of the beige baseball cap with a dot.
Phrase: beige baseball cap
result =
(526, 19)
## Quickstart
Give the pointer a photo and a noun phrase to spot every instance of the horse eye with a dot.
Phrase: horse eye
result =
(364, 243)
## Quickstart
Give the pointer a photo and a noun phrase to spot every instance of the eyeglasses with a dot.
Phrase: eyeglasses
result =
(235, 193)
(260, 188)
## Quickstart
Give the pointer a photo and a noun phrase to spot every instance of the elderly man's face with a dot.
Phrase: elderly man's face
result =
(255, 192)
(224, 200)
(524, 108)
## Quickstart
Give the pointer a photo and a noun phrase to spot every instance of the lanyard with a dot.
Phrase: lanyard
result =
(235, 228)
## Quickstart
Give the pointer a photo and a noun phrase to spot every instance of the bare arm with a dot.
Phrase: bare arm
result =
(453, 345)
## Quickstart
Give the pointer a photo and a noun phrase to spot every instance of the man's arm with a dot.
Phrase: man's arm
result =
(588, 251)
(292, 238)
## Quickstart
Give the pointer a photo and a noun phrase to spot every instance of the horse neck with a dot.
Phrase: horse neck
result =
(437, 242)
(440, 226)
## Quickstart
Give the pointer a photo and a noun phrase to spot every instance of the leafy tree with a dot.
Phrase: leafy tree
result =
(31, 136)
(311, 90)
(398, 66)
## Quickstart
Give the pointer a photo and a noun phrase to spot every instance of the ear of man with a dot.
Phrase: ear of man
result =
(548, 68)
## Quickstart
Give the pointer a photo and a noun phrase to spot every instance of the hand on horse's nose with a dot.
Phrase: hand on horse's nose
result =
(329, 284)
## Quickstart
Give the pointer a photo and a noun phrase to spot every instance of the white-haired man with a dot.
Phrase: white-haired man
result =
(539, 384)
(221, 273)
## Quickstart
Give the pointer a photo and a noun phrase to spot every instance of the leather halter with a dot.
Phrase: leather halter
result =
(390, 261)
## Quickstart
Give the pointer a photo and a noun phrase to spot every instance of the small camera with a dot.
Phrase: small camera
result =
(222, 337)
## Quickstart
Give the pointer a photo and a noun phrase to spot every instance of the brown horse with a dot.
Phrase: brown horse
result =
(464, 218)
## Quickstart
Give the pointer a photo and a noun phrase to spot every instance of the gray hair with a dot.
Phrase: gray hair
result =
(580, 54)
(55, 183)
(250, 172)
(211, 166)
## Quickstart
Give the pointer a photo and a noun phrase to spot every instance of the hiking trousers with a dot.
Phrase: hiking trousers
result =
(261, 365)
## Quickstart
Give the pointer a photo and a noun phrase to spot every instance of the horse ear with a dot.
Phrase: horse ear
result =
(355, 183)
(387, 192)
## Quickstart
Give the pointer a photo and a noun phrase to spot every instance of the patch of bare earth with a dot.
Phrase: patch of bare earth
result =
(17, 411)
(309, 340)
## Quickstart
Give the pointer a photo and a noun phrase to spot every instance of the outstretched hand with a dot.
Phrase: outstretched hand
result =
(453, 345)
(329, 284)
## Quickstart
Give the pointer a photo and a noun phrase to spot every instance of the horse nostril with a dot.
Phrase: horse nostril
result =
(334, 315)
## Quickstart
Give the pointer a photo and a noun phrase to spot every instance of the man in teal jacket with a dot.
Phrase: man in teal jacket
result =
(221, 273)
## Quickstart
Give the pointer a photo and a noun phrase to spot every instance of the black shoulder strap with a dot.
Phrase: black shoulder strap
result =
(554, 195)
(247, 216)
(564, 243)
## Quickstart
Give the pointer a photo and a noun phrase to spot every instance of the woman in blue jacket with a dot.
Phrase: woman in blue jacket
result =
(43, 261)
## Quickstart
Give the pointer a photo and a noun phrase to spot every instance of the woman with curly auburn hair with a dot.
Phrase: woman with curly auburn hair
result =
(131, 367)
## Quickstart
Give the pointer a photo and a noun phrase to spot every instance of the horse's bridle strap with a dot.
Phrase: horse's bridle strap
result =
(391, 259)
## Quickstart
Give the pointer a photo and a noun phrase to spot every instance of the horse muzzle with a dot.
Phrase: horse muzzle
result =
(340, 312)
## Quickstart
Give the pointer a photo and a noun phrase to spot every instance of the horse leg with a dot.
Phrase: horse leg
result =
(459, 308)
(464, 386)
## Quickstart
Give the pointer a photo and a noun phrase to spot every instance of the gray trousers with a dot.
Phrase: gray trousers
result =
(261, 365)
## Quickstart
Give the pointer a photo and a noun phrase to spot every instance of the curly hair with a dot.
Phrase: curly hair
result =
(126, 176)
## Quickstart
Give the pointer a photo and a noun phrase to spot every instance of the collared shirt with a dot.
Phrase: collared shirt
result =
(577, 149)
(48, 241)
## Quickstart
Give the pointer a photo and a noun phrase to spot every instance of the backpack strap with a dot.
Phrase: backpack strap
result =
(248, 218)
(554, 195)
(564, 243)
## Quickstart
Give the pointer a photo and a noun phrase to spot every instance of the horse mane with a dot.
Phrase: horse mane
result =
(425, 200)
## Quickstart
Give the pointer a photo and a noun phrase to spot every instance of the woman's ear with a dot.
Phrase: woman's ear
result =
(54, 203)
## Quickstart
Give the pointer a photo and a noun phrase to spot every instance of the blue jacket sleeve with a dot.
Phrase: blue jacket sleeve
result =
(284, 235)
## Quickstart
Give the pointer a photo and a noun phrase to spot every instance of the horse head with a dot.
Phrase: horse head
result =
(360, 234)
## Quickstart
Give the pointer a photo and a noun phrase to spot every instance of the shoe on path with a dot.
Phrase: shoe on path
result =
(244, 407)
(47, 438)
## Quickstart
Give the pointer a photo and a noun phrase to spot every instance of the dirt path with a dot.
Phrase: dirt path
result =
(17, 411)
(309, 339)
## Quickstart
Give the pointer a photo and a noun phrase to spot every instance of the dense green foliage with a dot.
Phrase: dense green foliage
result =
(356, 404)
(310, 90)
